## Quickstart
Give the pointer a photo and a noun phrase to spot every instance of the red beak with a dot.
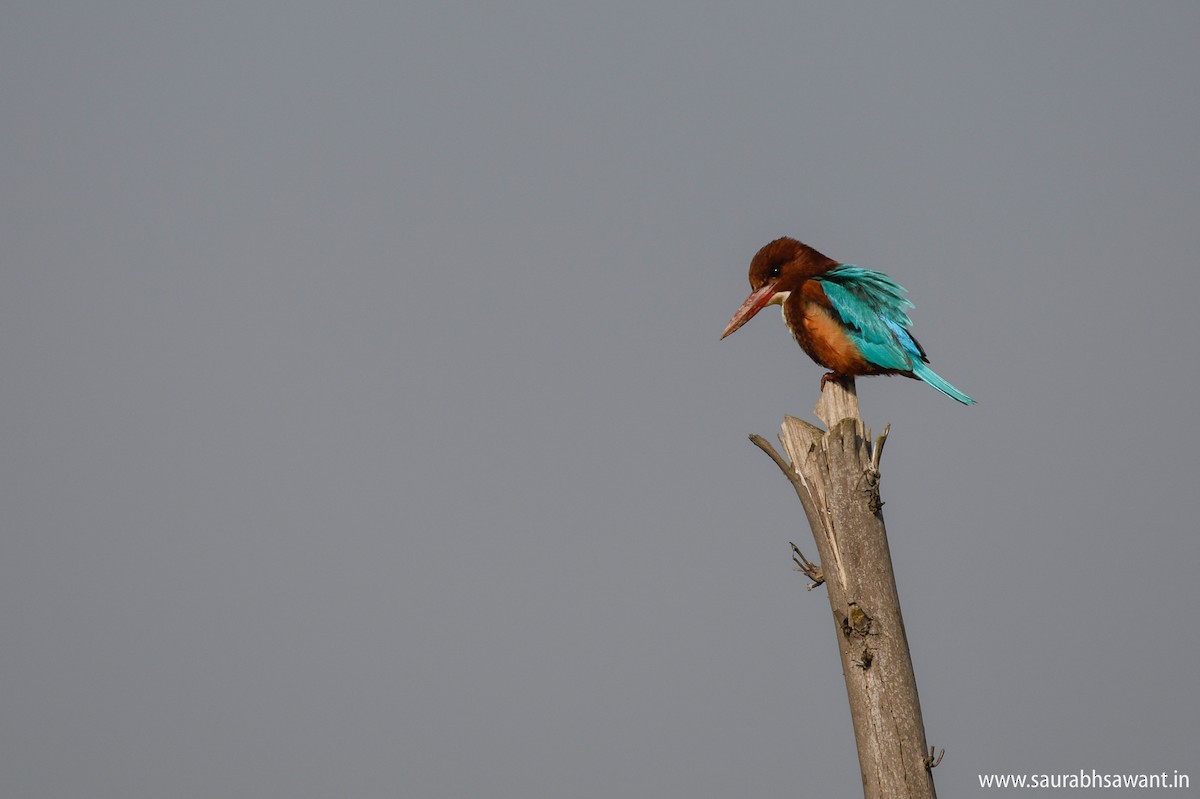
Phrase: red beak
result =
(757, 300)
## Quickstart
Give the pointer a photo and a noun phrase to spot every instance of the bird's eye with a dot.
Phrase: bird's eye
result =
(773, 271)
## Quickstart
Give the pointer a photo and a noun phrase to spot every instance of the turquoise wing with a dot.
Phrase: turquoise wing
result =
(875, 312)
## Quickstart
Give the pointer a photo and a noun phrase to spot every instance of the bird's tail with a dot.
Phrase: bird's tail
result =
(922, 370)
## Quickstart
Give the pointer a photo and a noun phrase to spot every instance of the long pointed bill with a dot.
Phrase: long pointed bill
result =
(754, 303)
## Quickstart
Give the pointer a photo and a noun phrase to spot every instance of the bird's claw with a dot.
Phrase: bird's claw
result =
(830, 376)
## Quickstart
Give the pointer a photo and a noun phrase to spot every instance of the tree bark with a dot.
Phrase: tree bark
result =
(836, 475)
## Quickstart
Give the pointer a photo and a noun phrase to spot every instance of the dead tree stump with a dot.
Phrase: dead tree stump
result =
(836, 474)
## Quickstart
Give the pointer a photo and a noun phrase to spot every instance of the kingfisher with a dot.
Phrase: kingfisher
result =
(850, 320)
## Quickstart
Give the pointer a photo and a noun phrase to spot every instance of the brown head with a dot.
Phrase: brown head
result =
(778, 269)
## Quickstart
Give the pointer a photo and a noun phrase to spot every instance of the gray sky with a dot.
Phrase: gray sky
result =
(367, 433)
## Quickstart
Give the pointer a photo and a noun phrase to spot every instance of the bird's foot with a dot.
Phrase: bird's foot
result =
(828, 376)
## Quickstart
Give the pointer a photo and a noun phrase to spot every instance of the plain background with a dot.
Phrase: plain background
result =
(366, 432)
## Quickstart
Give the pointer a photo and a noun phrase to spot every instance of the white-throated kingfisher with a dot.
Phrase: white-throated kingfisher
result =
(852, 321)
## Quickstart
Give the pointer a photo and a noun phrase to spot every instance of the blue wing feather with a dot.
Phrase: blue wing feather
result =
(875, 312)
(873, 306)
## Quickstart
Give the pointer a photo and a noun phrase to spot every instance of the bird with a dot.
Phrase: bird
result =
(850, 320)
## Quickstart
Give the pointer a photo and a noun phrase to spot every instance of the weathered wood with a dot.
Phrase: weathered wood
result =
(836, 476)
(839, 400)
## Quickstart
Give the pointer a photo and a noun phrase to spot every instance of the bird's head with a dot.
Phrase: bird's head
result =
(778, 269)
